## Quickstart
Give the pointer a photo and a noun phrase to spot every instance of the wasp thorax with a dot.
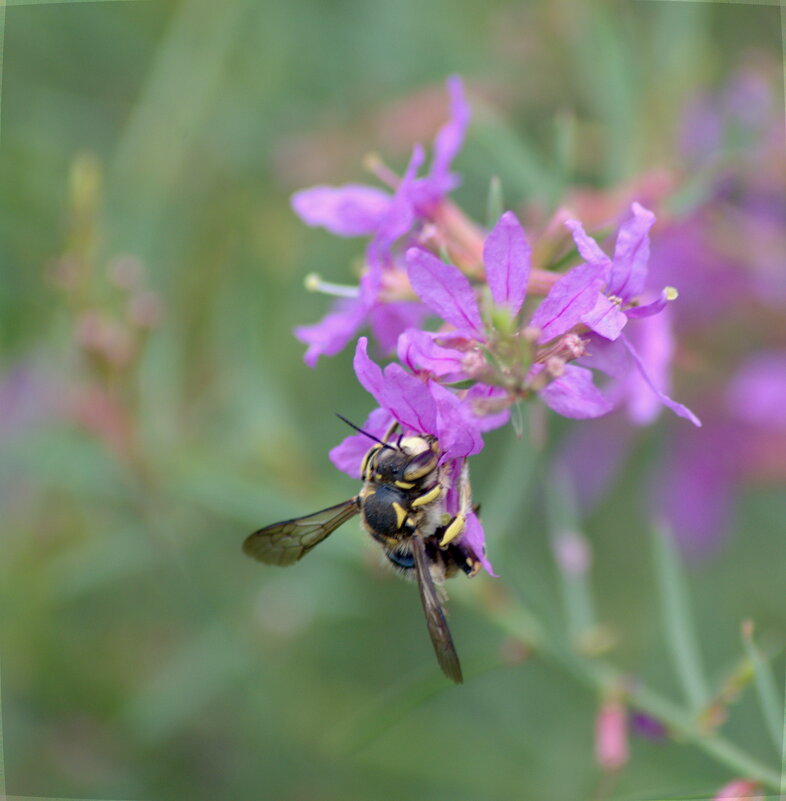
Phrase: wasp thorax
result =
(424, 456)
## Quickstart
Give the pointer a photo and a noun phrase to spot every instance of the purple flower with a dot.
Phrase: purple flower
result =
(421, 407)
(603, 293)
(360, 210)
(331, 334)
(449, 294)
(349, 210)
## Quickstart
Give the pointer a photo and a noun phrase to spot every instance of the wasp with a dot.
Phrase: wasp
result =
(402, 504)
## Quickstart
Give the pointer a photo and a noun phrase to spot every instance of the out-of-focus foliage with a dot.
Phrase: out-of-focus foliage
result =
(154, 407)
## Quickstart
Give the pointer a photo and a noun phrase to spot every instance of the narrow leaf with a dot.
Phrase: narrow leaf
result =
(766, 689)
(678, 620)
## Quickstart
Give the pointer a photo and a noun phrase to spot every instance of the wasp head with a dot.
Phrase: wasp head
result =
(410, 460)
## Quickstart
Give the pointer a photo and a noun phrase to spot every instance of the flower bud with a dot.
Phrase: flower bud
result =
(611, 735)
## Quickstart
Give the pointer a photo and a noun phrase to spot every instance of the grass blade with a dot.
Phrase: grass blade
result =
(766, 687)
(678, 620)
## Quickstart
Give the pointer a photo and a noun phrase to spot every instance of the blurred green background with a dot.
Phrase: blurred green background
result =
(142, 655)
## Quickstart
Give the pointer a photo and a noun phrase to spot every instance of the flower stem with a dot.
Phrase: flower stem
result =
(600, 675)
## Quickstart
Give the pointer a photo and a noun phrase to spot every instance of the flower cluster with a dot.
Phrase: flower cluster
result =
(726, 254)
(476, 325)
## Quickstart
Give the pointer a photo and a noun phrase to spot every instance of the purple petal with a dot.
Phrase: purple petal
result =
(368, 372)
(406, 397)
(677, 408)
(568, 301)
(418, 351)
(506, 256)
(480, 395)
(612, 358)
(348, 455)
(409, 400)
(450, 137)
(457, 432)
(655, 345)
(445, 290)
(574, 395)
(606, 318)
(473, 537)
(429, 191)
(649, 309)
(349, 210)
(400, 215)
(333, 331)
(390, 320)
(631, 255)
(588, 248)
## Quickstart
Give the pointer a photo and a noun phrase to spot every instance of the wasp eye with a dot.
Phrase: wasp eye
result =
(420, 465)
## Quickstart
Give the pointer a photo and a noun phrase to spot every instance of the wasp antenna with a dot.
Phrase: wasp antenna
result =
(361, 431)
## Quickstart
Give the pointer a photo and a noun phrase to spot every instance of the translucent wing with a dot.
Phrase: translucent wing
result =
(285, 542)
(435, 616)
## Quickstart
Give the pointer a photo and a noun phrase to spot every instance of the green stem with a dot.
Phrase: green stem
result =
(600, 675)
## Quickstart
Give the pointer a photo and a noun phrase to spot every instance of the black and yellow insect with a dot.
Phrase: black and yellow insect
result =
(402, 506)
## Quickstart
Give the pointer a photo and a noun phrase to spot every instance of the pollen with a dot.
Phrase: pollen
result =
(671, 293)
(453, 530)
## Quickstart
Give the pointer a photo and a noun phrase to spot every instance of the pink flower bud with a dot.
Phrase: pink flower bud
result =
(740, 788)
(611, 736)
(125, 271)
(572, 553)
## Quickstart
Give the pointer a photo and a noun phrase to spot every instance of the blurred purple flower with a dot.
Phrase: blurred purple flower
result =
(428, 193)
(360, 210)
(349, 210)
(757, 393)
(329, 336)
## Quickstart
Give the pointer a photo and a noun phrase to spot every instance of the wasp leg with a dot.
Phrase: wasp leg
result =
(427, 497)
(456, 525)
